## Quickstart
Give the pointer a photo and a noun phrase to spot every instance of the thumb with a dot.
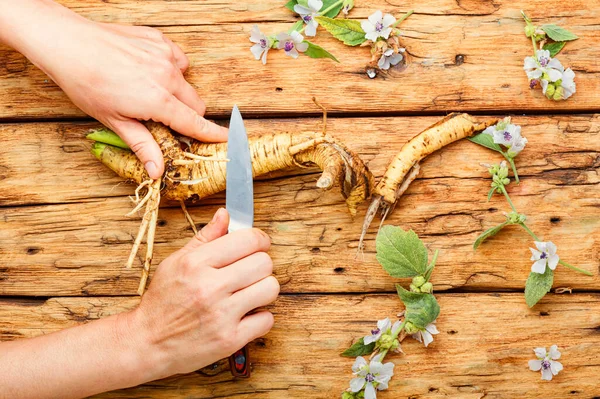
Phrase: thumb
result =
(216, 228)
(139, 139)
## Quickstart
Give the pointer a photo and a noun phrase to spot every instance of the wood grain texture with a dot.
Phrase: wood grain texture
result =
(465, 55)
(482, 350)
(78, 245)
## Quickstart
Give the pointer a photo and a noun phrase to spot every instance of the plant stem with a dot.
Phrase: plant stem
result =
(531, 233)
(511, 161)
(508, 199)
(534, 49)
(383, 353)
(331, 7)
(398, 22)
(431, 265)
(562, 262)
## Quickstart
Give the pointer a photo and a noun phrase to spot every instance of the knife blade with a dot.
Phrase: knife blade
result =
(239, 201)
(239, 191)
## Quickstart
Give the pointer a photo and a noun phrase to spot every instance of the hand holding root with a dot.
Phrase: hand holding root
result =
(199, 170)
(404, 168)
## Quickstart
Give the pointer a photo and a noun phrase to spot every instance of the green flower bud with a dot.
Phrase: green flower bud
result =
(503, 173)
(348, 395)
(522, 218)
(558, 93)
(386, 341)
(395, 345)
(418, 281)
(410, 328)
(427, 287)
(414, 288)
(347, 5)
(506, 181)
(530, 30)
(550, 91)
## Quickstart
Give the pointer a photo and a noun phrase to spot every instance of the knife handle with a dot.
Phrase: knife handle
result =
(239, 363)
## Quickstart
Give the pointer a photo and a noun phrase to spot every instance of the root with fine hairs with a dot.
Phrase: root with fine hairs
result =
(200, 171)
(404, 168)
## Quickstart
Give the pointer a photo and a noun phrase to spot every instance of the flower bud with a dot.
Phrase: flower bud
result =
(418, 281)
(506, 181)
(347, 5)
(348, 395)
(386, 341)
(550, 90)
(410, 328)
(427, 287)
(414, 288)
(530, 30)
(558, 93)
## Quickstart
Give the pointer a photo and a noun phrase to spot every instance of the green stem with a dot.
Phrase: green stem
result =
(562, 262)
(511, 161)
(331, 7)
(534, 49)
(398, 22)
(531, 233)
(508, 199)
(431, 265)
(384, 352)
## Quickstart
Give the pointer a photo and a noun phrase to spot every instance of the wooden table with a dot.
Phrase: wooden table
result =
(64, 238)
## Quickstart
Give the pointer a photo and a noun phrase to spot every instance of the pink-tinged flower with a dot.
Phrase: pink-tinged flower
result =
(308, 15)
(426, 336)
(262, 46)
(546, 362)
(545, 254)
(292, 43)
(378, 25)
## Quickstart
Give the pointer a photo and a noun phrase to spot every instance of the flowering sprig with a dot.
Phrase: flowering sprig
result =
(402, 254)
(542, 69)
(544, 256)
(503, 134)
(379, 31)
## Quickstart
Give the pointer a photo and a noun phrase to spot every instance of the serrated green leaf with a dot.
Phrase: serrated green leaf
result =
(554, 48)
(401, 253)
(359, 349)
(296, 27)
(290, 4)
(537, 286)
(488, 233)
(334, 11)
(347, 31)
(558, 34)
(315, 51)
(486, 140)
(421, 309)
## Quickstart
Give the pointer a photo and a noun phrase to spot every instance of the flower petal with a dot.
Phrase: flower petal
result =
(377, 16)
(369, 339)
(432, 329)
(555, 64)
(427, 338)
(311, 29)
(541, 245)
(388, 19)
(315, 5)
(359, 364)
(396, 327)
(375, 367)
(547, 375)
(535, 365)
(386, 32)
(553, 261)
(293, 53)
(383, 63)
(257, 50)
(372, 35)
(396, 58)
(417, 336)
(555, 367)
(540, 352)
(384, 324)
(530, 63)
(544, 84)
(535, 254)
(370, 391)
(264, 57)
(367, 26)
(255, 34)
(296, 37)
(535, 74)
(282, 38)
(539, 266)
(554, 75)
(554, 353)
(298, 9)
(356, 384)
(302, 47)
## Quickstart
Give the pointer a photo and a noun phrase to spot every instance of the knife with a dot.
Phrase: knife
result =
(239, 201)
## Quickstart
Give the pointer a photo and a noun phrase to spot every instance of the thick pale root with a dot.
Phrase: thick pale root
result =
(404, 168)
(198, 178)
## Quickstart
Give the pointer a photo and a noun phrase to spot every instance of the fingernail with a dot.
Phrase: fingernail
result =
(152, 169)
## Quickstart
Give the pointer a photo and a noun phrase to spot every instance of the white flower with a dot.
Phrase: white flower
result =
(508, 135)
(308, 15)
(292, 43)
(546, 362)
(543, 67)
(544, 255)
(389, 58)
(426, 336)
(372, 377)
(378, 25)
(262, 46)
(383, 327)
(568, 83)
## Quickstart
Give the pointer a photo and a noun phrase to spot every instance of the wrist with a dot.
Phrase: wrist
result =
(138, 356)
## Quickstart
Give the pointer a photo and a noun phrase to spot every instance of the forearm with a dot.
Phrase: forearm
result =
(38, 29)
(96, 357)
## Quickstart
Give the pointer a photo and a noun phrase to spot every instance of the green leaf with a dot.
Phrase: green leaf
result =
(558, 34)
(554, 48)
(490, 193)
(346, 30)
(486, 140)
(401, 253)
(303, 3)
(290, 4)
(489, 233)
(421, 309)
(359, 349)
(296, 27)
(314, 51)
(334, 11)
(537, 286)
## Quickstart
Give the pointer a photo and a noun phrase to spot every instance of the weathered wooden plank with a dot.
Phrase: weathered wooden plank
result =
(80, 248)
(482, 349)
(50, 163)
(466, 56)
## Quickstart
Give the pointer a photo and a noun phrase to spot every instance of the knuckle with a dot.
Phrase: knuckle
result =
(200, 123)
(265, 262)
(153, 34)
(138, 147)
(258, 240)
